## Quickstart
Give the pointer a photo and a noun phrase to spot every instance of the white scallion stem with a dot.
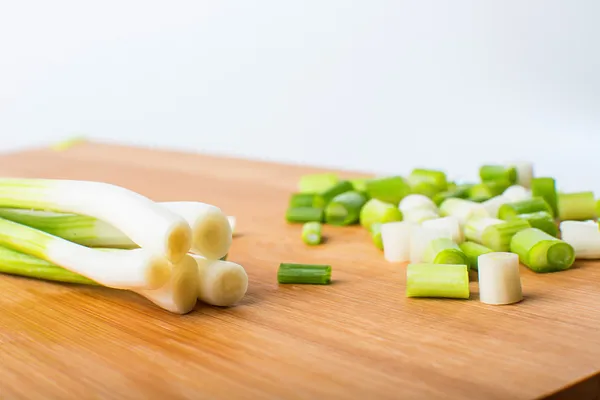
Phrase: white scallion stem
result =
(499, 278)
(475, 226)
(524, 173)
(493, 205)
(148, 224)
(413, 201)
(232, 222)
(517, 193)
(584, 237)
(462, 209)
(220, 283)
(180, 293)
(421, 237)
(418, 215)
(396, 241)
(449, 225)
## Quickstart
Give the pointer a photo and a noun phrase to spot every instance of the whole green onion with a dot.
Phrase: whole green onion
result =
(545, 188)
(497, 237)
(304, 214)
(311, 274)
(473, 250)
(388, 189)
(311, 233)
(576, 206)
(511, 210)
(345, 208)
(542, 252)
(437, 280)
(377, 211)
(498, 173)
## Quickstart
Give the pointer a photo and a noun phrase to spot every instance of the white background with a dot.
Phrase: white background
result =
(381, 86)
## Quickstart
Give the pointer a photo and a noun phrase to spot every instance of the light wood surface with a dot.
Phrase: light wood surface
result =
(359, 338)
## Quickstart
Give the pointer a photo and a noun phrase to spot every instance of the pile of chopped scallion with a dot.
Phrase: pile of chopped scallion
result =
(447, 230)
(94, 233)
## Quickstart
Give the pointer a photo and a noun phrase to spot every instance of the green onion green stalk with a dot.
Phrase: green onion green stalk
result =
(317, 183)
(444, 251)
(545, 188)
(436, 179)
(345, 208)
(304, 214)
(542, 252)
(473, 250)
(511, 210)
(376, 235)
(497, 237)
(311, 233)
(437, 280)
(311, 274)
(377, 211)
(498, 173)
(542, 220)
(388, 189)
(576, 206)
(306, 200)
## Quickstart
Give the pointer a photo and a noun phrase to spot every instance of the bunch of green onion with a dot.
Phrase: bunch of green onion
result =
(100, 234)
(427, 220)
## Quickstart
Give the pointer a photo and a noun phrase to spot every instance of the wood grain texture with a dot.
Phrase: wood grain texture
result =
(358, 338)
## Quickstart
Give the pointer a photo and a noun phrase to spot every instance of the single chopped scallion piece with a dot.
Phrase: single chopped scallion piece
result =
(311, 274)
(388, 189)
(377, 211)
(480, 192)
(475, 227)
(304, 214)
(493, 205)
(457, 191)
(376, 235)
(517, 193)
(444, 251)
(317, 183)
(499, 279)
(429, 176)
(129, 212)
(462, 209)
(473, 250)
(424, 188)
(359, 184)
(511, 210)
(311, 233)
(419, 215)
(524, 173)
(437, 280)
(498, 236)
(306, 200)
(545, 188)
(414, 201)
(396, 241)
(542, 252)
(542, 220)
(584, 237)
(337, 189)
(449, 225)
(576, 206)
(420, 238)
(345, 208)
(498, 173)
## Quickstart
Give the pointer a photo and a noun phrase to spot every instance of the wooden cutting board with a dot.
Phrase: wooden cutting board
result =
(359, 338)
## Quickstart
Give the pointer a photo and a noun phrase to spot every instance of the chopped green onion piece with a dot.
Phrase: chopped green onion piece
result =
(583, 236)
(377, 211)
(473, 250)
(345, 208)
(311, 274)
(493, 205)
(220, 283)
(497, 237)
(444, 251)
(437, 280)
(511, 210)
(480, 192)
(428, 176)
(413, 201)
(545, 188)
(516, 193)
(317, 183)
(376, 235)
(426, 189)
(498, 173)
(311, 233)
(337, 189)
(449, 225)
(524, 173)
(304, 214)
(499, 279)
(542, 220)
(462, 209)
(454, 191)
(390, 189)
(359, 184)
(475, 227)
(542, 252)
(419, 215)
(396, 241)
(307, 200)
(420, 237)
(576, 206)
